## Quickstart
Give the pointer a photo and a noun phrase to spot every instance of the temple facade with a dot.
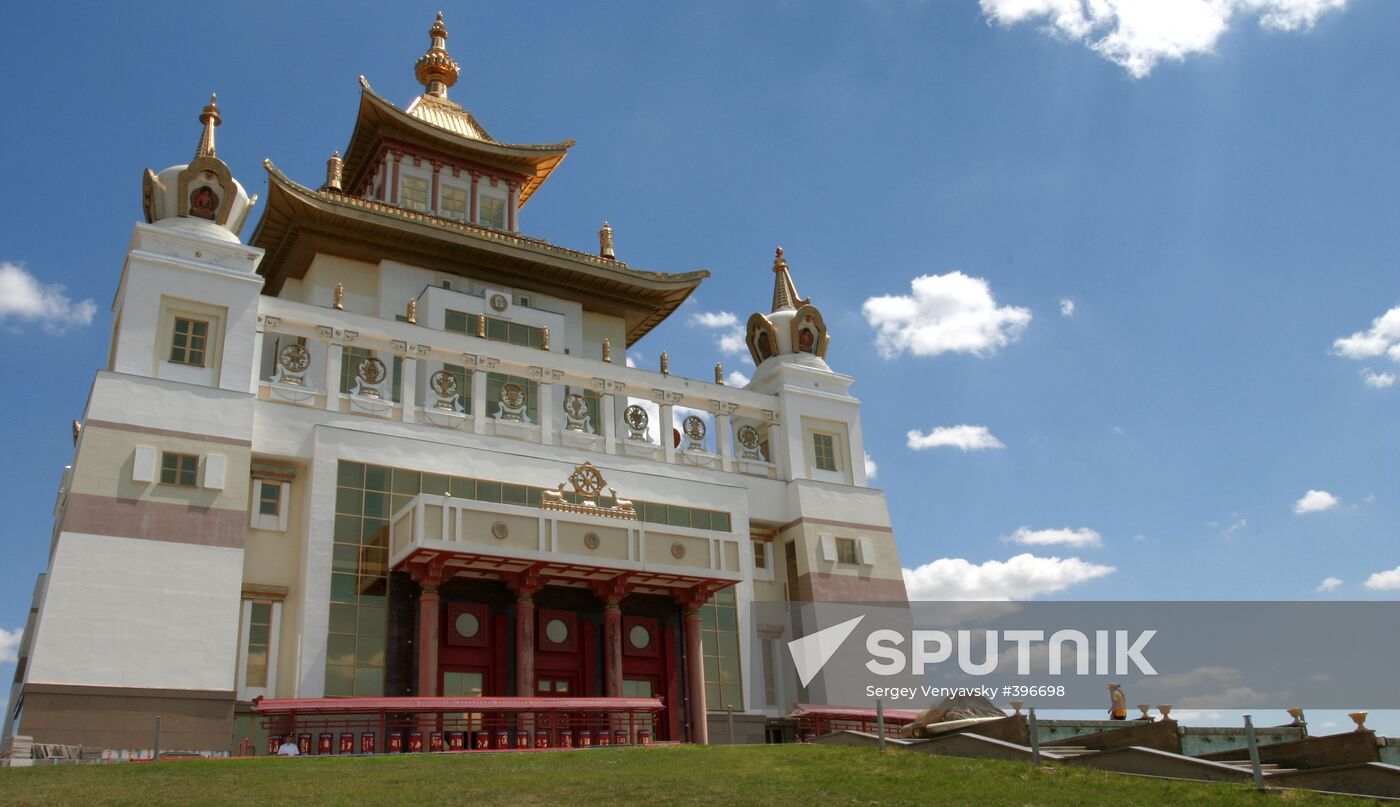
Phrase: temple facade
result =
(389, 446)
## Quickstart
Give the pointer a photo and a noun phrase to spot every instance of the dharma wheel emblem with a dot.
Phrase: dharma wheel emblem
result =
(587, 480)
(372, 371)
(636, 420)
(513, 395)
(694, 428)
(576, 406)
(294, 358)
(748, 437)
(443, 383)
(499, 302)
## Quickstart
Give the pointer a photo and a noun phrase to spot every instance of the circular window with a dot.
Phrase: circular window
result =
(467, 625)
(556, 631)
(639, 636)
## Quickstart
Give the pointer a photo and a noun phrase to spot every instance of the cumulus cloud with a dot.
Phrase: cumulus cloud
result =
(1066, 307)
(951, 313)
(1139, 34)
(736, 379)
(23, 299)
(1061, 537)
(9, 645)
(1376, 380)
(871, 469)
(729, 334)
(1019, 578)
(1381, 339)
(1315, 501)
(965, 437)
(1329, 584)
(1384, 581)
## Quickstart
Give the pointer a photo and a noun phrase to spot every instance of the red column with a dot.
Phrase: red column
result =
(428, 612)
(437, 169)
(525, 645)
(695, 675)
(475, 179)
(612, 649)
(394, 181)
(510, 206)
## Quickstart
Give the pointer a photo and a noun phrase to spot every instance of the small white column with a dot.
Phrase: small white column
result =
(777, 450)
(257, 361)
(546, 413)
(479, 403)
(334, 354)
(607, 420)
(667, 428)
(723, 442)
(408, 390)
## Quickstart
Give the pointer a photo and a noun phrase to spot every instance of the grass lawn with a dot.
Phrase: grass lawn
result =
(772, 775)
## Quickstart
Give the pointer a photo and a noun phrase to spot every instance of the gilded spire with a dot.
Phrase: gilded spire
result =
(334, 169)
(210, 118)
(784, 293)
(605, 242)
(435, 70)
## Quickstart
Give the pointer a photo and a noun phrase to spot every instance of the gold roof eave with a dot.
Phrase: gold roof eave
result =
(298, 222)
(378, 118)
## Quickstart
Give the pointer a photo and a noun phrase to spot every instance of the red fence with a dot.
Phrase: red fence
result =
(814, 720)
(334, 726)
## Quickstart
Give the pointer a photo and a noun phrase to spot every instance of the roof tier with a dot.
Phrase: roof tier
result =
(299, 223)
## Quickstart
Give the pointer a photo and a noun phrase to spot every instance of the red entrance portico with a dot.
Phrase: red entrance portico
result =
(495, 626)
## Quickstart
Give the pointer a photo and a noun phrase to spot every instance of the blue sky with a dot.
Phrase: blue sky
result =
(1215, 195)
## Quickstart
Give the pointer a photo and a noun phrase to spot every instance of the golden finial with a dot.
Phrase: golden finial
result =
(665, 363)
(607, 350)
(210, 118)
(77, 431)
(334, 168)
(784, 292)
(338, 299)
(412, 316)
(544, 338)
(605, 242)
(719, 374)
(481, 326)
(435, 70)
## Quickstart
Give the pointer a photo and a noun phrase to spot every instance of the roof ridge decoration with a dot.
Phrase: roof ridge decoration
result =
(210, 118)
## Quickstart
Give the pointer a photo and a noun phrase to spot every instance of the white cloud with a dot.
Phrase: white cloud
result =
(1376, 380)
(951, 313)
(1063, 537)
(965, 437)
(1384, 581)
(1315, 501)
(1138, 34)
(1236, 523)
(1019, 578)
(9, 645)
(1066, 307)
(871, 469)
(736, 379)
(730, 337)
(24, 299)
(1381, 339)
(1329, 584)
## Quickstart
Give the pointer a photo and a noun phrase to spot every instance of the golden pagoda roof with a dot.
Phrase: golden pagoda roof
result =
(436, 125)
(299, 223)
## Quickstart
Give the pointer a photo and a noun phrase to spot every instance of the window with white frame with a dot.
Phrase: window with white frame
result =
(257, 656)
(270, 504)
(452, 202)
(413, 193)
(491, 212)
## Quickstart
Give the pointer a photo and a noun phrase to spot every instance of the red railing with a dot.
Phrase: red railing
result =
(334, 726)
(815, 720)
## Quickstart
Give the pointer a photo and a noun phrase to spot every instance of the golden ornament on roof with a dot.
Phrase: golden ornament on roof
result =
(436, 70)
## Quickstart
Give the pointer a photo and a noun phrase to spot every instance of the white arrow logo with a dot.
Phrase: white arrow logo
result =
(812, 652)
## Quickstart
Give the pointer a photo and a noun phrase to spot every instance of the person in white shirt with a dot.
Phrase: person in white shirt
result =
(288, 748)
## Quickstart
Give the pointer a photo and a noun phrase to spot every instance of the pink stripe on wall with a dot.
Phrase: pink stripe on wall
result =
(154, 521)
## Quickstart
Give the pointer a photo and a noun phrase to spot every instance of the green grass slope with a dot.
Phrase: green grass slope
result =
(770, 775)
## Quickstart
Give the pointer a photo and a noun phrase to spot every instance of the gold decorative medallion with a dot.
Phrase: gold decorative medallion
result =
(591, 540)
(500, 531)
(678, 550)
